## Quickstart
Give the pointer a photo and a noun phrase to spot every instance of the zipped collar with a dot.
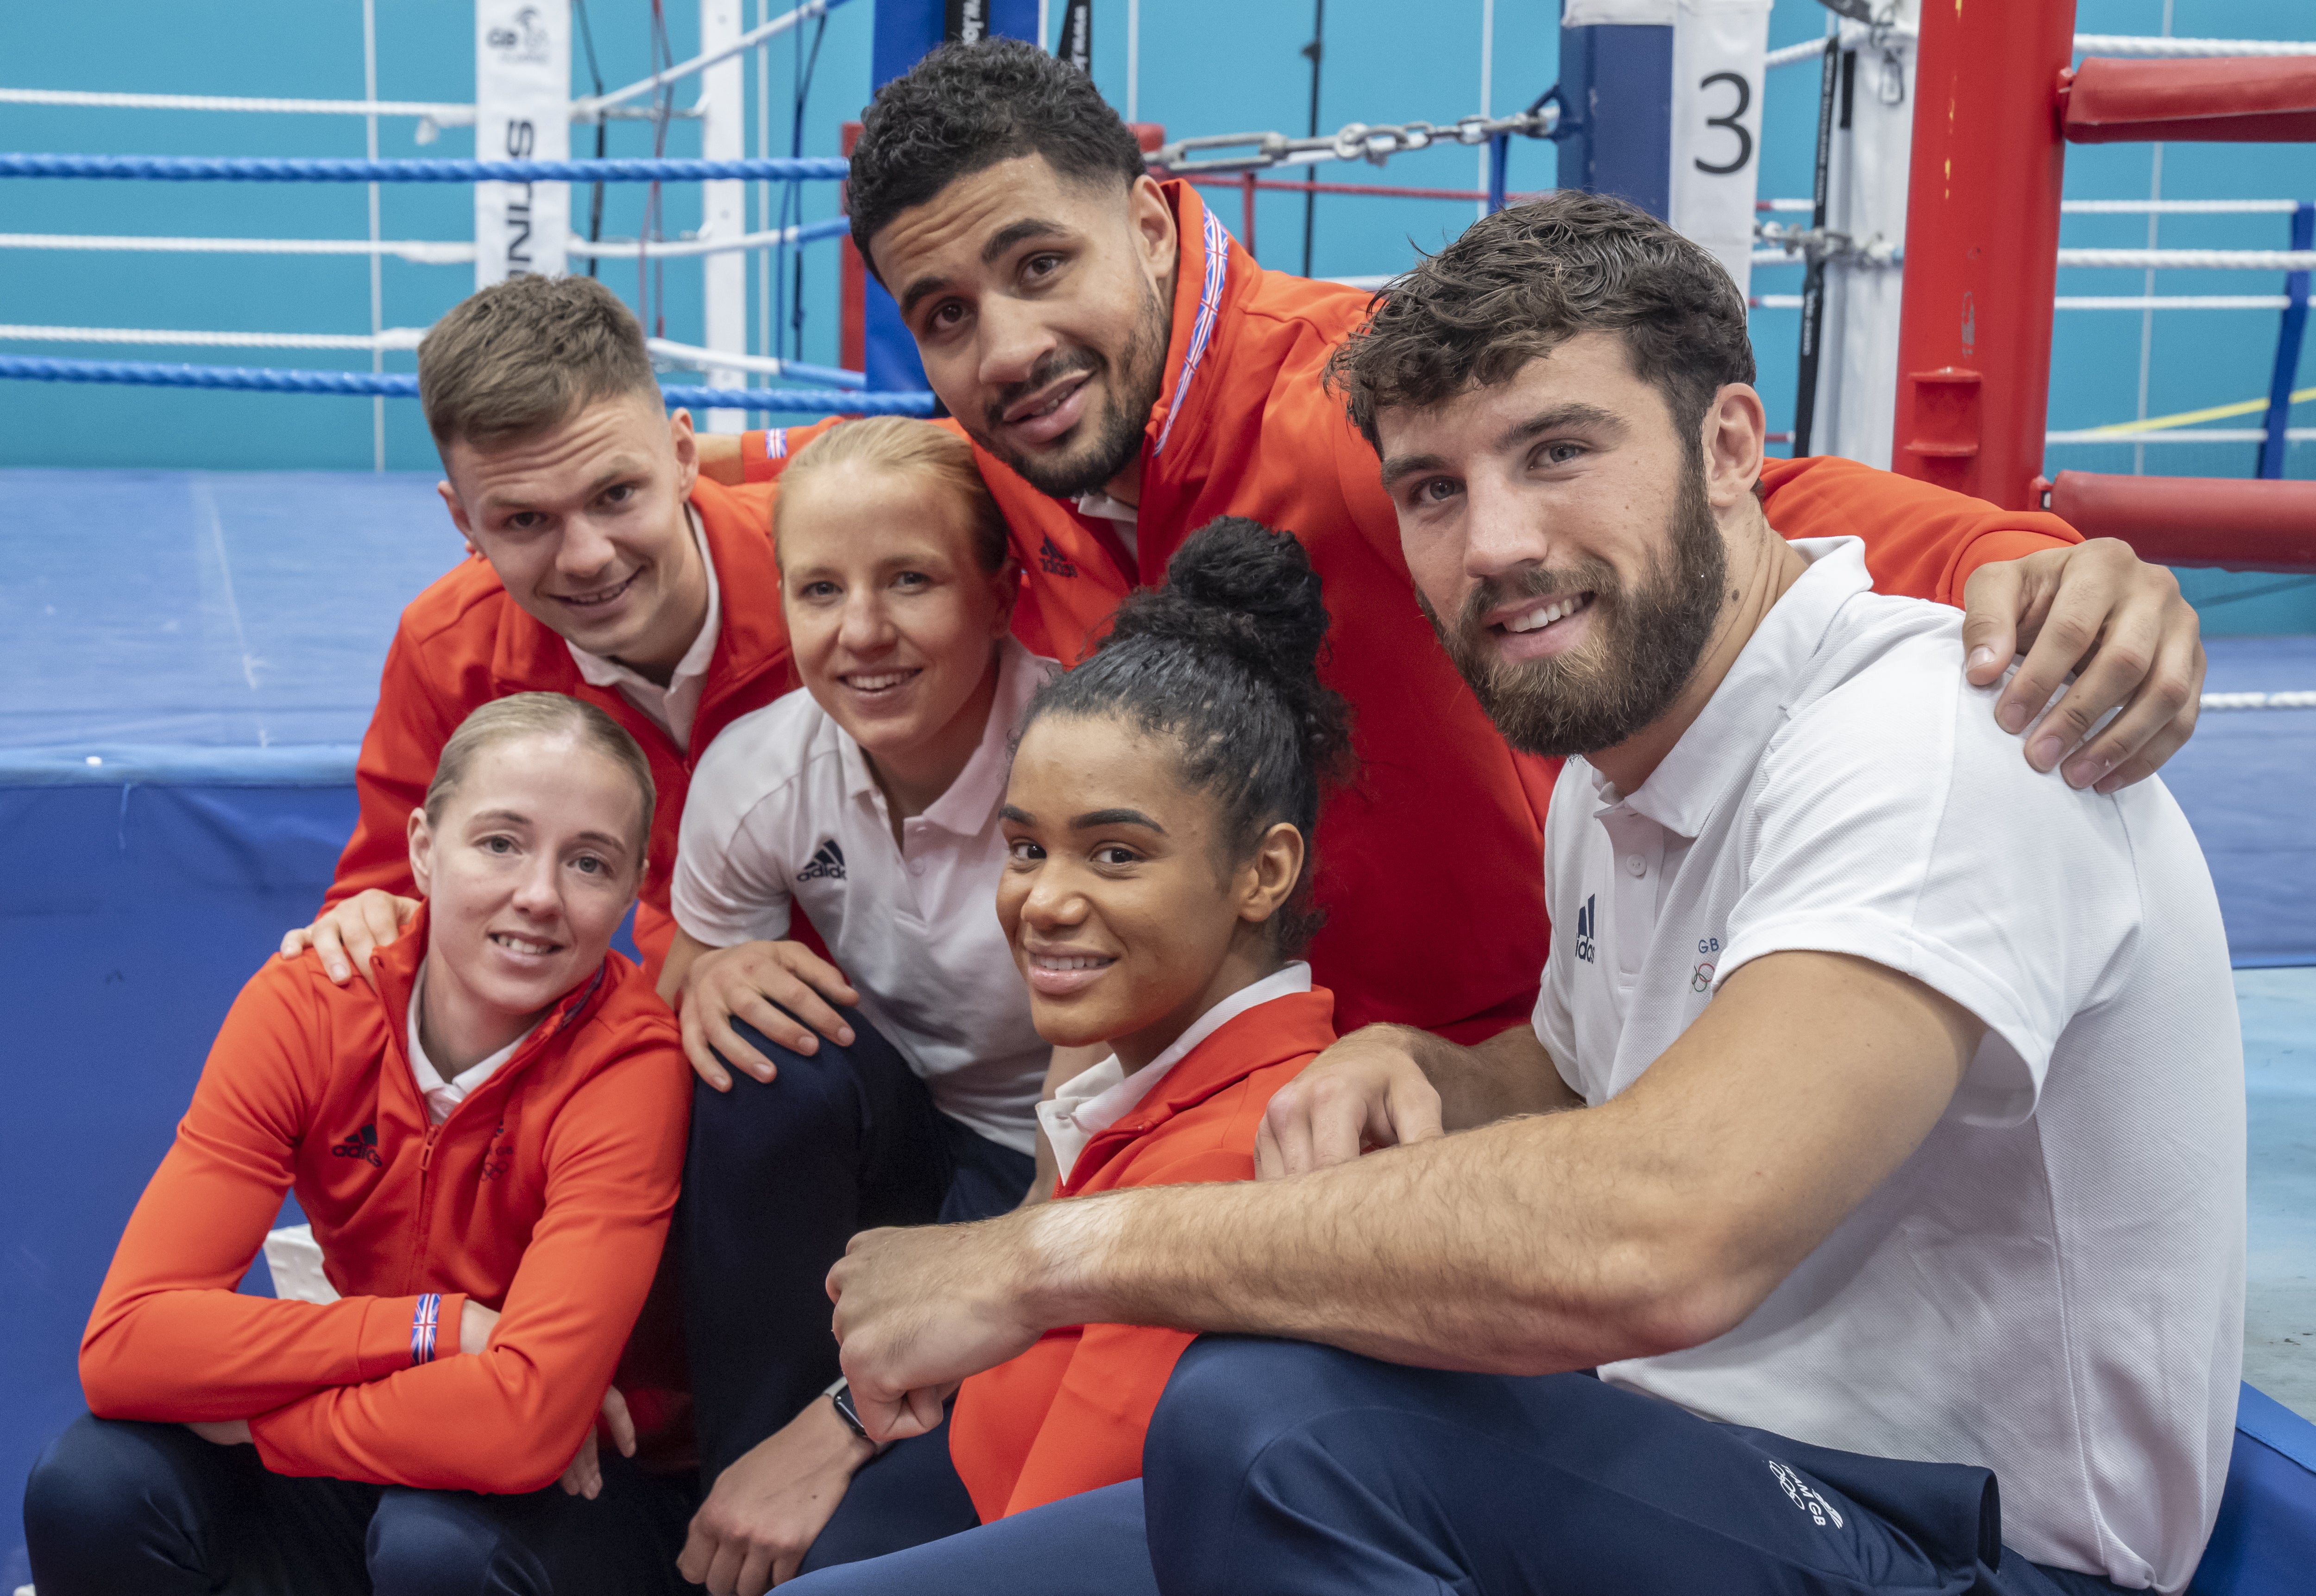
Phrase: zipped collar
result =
(1203, 270)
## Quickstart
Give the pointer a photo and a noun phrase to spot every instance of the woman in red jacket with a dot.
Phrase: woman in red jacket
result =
(1157, 896)
(488, 1138)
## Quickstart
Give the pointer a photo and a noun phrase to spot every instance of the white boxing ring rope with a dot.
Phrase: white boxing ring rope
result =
(2098, 44)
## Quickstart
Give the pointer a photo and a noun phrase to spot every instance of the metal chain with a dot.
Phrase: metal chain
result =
(1825, 244)
(1355, 142)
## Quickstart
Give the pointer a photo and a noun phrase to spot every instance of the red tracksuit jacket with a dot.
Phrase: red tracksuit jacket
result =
(545, 1195)
(1068, 1415)
(463, 643)
(1430, 864)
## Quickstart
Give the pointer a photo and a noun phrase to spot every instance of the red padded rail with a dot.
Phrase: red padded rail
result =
(2218, 100)
(2243, 525)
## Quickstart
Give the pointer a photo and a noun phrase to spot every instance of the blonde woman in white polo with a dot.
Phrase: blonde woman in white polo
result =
(899, 1083)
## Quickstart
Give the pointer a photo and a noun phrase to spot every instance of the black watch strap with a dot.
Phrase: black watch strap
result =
(842, 1397)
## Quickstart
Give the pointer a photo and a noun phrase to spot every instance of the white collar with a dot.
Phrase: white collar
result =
(1737, 722)
(601, 670)
(441, 1096)
(964, 809)
(1100, 506)
(1091, 1102)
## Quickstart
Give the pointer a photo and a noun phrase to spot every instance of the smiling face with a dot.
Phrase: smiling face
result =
(1559, 531)
(1127, 919)
(892, 622)
(526, 870)
(1041, 309)
(584, 524)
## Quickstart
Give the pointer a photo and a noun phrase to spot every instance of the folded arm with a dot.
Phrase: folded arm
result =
(511, 1418)
(1655, 1221)
(170, 1339)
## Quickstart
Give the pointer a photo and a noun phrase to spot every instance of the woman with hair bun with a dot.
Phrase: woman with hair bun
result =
(1159, 816)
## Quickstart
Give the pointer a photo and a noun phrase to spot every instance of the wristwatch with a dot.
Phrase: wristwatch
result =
(840, 1394)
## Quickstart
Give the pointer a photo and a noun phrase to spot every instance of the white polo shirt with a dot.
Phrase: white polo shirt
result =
(672, 707)
(784, 808)
(2052, 1287)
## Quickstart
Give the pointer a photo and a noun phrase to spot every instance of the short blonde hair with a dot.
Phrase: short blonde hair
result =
(542, 714)
(897, 444)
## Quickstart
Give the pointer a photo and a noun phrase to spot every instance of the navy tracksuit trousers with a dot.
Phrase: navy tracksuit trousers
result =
(118, 1508)
(1298, 1470)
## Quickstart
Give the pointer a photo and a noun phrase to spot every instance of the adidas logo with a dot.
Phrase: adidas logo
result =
(1585, 931)
(827, 863)
(1055, 562)
(362, 1145)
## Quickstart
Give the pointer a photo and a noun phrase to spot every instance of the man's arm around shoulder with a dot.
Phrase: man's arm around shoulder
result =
(1655, 1221)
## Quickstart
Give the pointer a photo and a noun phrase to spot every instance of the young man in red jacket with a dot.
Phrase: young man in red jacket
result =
(604, 568)
(487, 1135)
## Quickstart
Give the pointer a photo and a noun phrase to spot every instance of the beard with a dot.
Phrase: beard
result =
(1649, 640)
(1114, 437)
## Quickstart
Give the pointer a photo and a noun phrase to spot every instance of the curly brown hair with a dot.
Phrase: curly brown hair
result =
(1519, 284)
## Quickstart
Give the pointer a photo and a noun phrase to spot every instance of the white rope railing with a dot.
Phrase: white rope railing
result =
(2259, 701)
(420, 252)
(2179, 435)
(628, 249)
(591, 106)
(2137, 260)
(2178, 206)
(691, 356)
(2122, 207)
(2193, 260)
(441, 115)
(2095, 44)
(2171, 302)
(2144, 44)
(388, 339)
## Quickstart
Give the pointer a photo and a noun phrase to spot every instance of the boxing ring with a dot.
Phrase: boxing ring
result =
(177, 737)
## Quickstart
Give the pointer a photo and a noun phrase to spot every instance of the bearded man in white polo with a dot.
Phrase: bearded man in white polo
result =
(1878, 1137)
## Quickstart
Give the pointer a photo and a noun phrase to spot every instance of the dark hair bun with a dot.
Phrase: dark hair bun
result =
(1225, 659)
(1238, 587)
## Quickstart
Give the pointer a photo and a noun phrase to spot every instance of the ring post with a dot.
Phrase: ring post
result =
(1983, 247)
(2288, 339)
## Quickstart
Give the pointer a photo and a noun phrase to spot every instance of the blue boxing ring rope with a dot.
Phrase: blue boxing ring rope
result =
(402, 386)
(283, 169)
(846, 399)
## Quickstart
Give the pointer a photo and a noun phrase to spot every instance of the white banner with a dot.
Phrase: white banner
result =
(523, 113)
(724, 206)
(1873, 154)
(1717, 48)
